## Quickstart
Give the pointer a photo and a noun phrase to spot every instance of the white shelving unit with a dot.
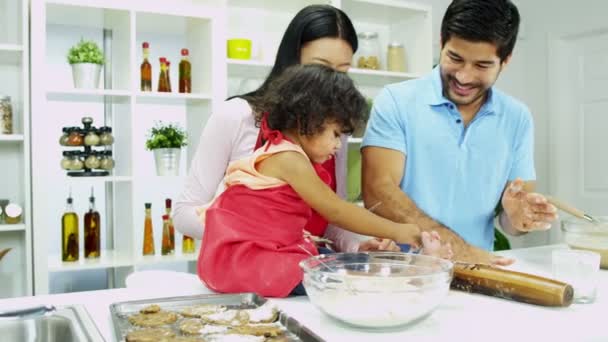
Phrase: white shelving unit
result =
(16, 277)
(119, 103)
(202, 26)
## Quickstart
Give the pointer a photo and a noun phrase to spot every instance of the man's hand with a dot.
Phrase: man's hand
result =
(527, 211)
(379, 245)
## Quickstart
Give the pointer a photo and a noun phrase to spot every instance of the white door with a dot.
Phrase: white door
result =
(578, 81)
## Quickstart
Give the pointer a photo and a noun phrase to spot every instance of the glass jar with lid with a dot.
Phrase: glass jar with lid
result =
(66, 161)
(75, 137)
(92, 161)
(6, 115)
(76, 163)
(105, 136)
(65, 135)
(106, 162)
(395, 57)
(92, 138)
(368, 54)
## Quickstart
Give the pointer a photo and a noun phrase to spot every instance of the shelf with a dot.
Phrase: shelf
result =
(160, 259)
(171, 98)
(381, 77)
(12, 227)
(87, 95)
(352, 140)
(103, 179)
(383, 11)
(11, 137)
(257, 69)
(108, 259)
(10, 54)
(248, 68)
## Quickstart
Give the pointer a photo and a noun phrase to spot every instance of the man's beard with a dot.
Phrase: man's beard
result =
(447, 90)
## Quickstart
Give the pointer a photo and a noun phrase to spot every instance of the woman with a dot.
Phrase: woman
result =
(317, 34)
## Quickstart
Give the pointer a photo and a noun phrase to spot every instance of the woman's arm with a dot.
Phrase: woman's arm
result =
(296, 170)
(223, 134)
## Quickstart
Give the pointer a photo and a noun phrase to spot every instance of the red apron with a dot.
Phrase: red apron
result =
(317, 224)
(253, 240)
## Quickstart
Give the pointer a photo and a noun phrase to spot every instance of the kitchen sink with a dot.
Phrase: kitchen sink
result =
(47, 324)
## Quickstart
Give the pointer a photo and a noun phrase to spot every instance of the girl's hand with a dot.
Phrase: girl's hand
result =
(408, 233)
(378, 244)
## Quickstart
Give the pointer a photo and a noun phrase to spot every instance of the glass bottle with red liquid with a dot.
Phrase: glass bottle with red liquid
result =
(146, 69)
(185, 81)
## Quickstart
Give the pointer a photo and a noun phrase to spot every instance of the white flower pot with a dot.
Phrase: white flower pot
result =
(167, 161)
(86, 75)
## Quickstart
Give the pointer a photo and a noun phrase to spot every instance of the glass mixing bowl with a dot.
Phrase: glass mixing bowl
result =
(579, 234)
(376, 289)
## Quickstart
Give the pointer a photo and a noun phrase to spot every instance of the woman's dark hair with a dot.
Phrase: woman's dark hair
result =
(492, 21)
(310, 23)
(305, 97)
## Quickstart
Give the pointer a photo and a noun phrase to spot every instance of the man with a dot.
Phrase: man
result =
(442, 151)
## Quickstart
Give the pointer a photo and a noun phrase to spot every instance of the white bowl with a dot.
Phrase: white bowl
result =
(376, 290)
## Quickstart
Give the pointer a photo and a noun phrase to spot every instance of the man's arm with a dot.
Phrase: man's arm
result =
(382, 171)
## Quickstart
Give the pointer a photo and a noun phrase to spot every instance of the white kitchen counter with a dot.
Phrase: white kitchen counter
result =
(462, 316)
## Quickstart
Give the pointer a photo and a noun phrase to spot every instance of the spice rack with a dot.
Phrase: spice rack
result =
(90, 162)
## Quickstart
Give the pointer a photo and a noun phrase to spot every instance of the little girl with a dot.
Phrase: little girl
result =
(254, 237)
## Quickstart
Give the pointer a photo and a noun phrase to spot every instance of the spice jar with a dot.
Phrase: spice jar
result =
(105, 136)
(63, 140)
(75, 137)
(76, 163)
(92, 161)
(368, 54)
(91, 139)
(66, 161)
(6, 115)
(12, 213)
(395, 57)
(106, 163)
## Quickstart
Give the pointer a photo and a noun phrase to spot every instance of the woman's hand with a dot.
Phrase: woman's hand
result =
(378, 244)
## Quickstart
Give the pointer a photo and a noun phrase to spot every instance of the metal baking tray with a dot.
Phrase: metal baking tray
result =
(122, 310)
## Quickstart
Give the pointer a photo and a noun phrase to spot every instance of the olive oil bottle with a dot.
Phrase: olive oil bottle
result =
(92, 227)
(69, 233)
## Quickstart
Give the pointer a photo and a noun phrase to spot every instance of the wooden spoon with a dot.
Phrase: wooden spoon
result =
(572, 210)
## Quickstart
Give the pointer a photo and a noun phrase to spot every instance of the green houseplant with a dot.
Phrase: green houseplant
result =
(86, 59)
(165, 141)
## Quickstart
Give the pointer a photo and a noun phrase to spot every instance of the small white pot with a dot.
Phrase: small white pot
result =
(167, 161)
(86, 75)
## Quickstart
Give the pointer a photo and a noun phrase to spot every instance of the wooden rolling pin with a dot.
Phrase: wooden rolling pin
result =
(521, 287)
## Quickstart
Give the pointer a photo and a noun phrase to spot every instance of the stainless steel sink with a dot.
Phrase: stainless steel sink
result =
(65, 324)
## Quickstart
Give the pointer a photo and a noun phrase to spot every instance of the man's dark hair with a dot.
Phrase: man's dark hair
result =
(305, 97)
(492, 21)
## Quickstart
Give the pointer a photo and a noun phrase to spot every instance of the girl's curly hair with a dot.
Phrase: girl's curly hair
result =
(305, 97)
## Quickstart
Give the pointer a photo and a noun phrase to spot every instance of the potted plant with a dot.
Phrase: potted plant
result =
(166, 141)
(86, 60)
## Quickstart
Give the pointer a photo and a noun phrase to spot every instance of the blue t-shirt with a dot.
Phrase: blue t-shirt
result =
(453, 173)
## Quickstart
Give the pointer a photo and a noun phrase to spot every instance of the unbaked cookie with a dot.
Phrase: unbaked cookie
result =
(191, 326)
(266, 330)
(150, 309)
(202, 310)
(149, 335)
(153, 319)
